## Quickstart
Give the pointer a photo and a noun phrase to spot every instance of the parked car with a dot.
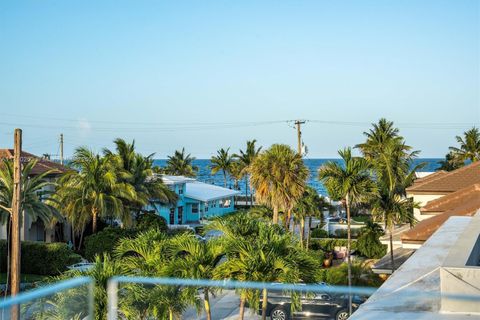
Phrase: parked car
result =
(314, 306)
(81, 266)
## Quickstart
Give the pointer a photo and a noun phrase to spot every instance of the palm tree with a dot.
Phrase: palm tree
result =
(272, 257)
(35, 197)
(181, 164)
(236, 228)
(222, 161)
(94, 191)
(245, 159)
(196, 259)
(278, 176)
(353, 184)
(451, 162)
(393, 177)
(137, 170)
(311, 205)
(150, 254)
(469, 146)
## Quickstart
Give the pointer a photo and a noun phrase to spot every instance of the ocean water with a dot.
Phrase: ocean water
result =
(205, 175)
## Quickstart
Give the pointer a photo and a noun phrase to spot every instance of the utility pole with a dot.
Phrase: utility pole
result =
(61, 148)
(16, 211)
(299, 123)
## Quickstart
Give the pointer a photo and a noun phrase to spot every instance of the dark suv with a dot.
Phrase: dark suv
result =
(314, 306)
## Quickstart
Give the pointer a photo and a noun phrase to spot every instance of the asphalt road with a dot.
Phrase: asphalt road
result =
(223, 306)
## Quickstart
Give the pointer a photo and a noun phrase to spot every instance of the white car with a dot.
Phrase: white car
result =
(81, 266)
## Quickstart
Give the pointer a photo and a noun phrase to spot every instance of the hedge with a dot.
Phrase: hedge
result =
(48, 259)
(105, 241)
(328, 244)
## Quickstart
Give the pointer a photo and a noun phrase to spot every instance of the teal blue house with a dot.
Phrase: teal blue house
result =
(196, 201)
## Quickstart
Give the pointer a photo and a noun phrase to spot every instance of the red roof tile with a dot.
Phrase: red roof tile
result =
(450, 181)
(42, 165)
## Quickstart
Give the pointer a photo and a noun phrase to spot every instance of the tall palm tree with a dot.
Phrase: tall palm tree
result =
(137, 170)
(94, 191)
(222, 161)
(469, 146)
(351, 183)
(196, 259)
(393, 176)
(181, 164)
(278, 176)
(245, 159)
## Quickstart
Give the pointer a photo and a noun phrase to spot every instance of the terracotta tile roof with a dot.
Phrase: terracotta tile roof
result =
(42, 165)
(450, 181)
(425, 228)
(462, 201)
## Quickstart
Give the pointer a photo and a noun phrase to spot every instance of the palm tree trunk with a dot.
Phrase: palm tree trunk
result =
(275, 215)
(308, 233)
(170, 314)
(242, 307)
(264, 304)
(224, 178)
(207, 304)
(349, 262)
(81, 238)
(302, 230)
(392, 260)
(94, 220)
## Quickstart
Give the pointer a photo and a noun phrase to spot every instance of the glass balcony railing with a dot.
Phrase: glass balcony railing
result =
(70, 299)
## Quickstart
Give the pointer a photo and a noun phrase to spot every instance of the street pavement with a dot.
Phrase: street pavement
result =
(223, 306)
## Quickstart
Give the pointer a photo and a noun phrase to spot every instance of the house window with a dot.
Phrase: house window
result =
(225, 203)
(195, 208)
(180, 215)
(206, 206)
(180, 189)
(172, 215)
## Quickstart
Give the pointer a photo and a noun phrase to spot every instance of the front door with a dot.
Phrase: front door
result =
(172, 216)
(180, 215)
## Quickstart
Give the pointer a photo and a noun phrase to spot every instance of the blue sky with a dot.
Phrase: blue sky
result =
(96, 70)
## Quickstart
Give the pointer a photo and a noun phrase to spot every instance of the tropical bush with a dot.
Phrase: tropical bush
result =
(319, 233)
(328, 244)
(361, 275)
(368, 242)
(41, 258)
(105, 241)
(148, 221)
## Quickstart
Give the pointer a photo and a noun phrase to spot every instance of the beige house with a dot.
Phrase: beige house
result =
(37, 231)
(441, 195)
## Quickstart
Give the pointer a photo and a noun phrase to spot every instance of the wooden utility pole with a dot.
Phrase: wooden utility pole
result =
(16, 212)
(299, 123)
(61, 148)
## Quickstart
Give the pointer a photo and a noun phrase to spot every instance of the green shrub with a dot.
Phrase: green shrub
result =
(328, 244)
(361, 276)
(368, 243)
(41, 258)
(342, 233)
(105, 241)
(149, 221)
(318, 233)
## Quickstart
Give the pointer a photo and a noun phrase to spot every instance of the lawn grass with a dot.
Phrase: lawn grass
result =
(25, 278)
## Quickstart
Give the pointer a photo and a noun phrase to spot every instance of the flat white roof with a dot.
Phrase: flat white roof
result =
(169, 180)
(413, 291)
(207, 192)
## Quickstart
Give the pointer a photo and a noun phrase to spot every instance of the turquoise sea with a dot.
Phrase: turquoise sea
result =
(205, 175)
